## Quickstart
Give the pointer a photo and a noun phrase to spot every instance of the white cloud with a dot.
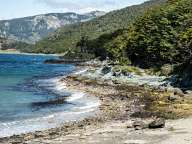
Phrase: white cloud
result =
(87, 5)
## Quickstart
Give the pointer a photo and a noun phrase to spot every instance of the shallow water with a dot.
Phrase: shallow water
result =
(25, 83)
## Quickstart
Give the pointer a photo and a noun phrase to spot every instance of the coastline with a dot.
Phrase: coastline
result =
(22, 53)
(74, 111)
(101, 115)
(117, 111)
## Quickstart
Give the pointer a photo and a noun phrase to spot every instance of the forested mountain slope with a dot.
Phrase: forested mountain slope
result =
(161, 37)
(67, 37)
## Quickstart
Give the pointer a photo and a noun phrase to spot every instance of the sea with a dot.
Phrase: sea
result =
(29, 89)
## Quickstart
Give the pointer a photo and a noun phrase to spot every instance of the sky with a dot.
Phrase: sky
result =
(21, 8)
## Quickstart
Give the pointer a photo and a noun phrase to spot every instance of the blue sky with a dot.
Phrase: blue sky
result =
(20, 8)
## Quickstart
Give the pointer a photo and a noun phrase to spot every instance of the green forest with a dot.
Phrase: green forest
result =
(66, 38)
(162, 35)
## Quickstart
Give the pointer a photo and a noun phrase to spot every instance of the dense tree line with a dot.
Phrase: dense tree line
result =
(20, 46)
(161, 36)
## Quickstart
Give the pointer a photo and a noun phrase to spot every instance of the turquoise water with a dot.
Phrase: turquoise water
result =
(19, 88)
(25, 83)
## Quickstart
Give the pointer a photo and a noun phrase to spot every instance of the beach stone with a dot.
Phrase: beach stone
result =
(106, 70)
(127, 74)
(116, 82)
(139, 125)
(117, 73)
(173, 98)
(188, 92)
(178, 91)
(157, 123)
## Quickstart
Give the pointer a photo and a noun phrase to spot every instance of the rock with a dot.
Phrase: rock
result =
(54, 61)
(178, 91)
(106, 70)
(117, 73)
(139, 125)
(116, 82)
(188, 92)
(127, 74)
(173, 97)
(157, 123)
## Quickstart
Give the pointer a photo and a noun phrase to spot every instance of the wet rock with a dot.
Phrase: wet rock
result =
(106, 70)
(157, 123)
(127, 74)
(139, 125)
(54, 61)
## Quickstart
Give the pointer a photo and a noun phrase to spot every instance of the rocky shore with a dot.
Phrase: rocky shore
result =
(129, 113)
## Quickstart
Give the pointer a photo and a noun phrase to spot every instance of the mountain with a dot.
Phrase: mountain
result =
(67, 37)
(33, 28)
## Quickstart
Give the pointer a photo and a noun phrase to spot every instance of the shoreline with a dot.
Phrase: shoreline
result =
(87, 107)
(118, 110)
(22, 53)
(67, 126)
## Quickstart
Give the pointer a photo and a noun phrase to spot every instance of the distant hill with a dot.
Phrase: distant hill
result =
(33, 28)
(66, 38)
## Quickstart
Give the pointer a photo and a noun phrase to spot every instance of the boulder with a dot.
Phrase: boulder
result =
(157, 123)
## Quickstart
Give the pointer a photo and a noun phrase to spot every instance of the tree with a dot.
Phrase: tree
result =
(83, 44)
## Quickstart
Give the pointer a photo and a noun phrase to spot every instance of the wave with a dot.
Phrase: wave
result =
(42, 123)
(82, 106)
(75, 96)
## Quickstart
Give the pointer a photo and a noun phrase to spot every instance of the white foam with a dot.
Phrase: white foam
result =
(90, 105)
(43, 123)
(76, 96)
(83, 106)
(81, 71)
